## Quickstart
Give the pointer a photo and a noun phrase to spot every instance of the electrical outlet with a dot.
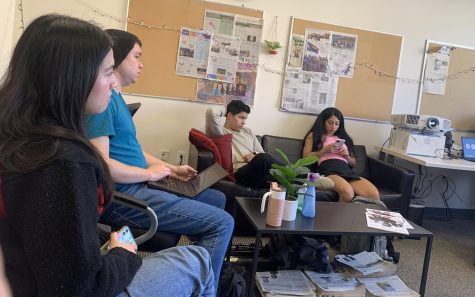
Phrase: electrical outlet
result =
(180, 157)
(164, 155)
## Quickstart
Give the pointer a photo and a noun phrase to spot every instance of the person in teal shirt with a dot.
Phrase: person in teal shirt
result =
(113, 134)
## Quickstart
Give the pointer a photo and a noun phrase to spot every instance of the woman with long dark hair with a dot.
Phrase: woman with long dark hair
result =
(54, 184)
(336, 157)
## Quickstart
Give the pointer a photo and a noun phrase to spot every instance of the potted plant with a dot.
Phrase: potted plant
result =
(289, 175)
(272, 46)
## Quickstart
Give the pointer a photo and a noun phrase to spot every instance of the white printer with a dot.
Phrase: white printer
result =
(421, 135)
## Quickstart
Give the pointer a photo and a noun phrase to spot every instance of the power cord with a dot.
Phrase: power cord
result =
(381, 150)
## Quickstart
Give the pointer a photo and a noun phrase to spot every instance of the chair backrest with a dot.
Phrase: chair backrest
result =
(133, 107)
(292, 147)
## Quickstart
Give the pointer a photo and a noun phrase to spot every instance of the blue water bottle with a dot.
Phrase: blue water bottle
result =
(300, 195)
(308, 207)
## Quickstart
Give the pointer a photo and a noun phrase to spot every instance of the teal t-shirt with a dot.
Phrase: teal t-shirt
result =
(116, 123)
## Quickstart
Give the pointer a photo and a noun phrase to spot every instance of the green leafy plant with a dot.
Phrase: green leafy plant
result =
(272, 44)
(288, 175)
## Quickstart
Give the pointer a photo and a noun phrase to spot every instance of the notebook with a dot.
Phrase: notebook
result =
(468, 144)
(193, 187)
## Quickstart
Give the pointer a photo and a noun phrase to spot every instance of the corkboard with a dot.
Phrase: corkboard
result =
(160, 47)
(457, 104)
(366, 95)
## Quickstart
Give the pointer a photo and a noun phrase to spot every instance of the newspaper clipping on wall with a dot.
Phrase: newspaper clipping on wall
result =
(219, 22)
(295, 58)
(223, 58)
(193, 51)
(315, 62)
(233, 59)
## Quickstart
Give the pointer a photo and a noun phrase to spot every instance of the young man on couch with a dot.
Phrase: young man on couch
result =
(250, 163)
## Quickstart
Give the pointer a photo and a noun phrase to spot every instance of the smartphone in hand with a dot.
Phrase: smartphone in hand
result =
(125, 236)
(339, 143)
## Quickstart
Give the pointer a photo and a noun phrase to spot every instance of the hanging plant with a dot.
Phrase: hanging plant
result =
(272, 45)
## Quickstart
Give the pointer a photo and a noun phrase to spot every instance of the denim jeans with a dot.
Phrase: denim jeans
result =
(178, 271)
(202, 218)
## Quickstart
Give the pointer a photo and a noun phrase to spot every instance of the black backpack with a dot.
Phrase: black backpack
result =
(231, 282)
(298, 252)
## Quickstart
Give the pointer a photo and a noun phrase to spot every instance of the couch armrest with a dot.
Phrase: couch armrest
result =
(200, 158)
(392, 177)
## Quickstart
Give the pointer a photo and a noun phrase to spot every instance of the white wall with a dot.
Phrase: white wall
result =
(164, 124)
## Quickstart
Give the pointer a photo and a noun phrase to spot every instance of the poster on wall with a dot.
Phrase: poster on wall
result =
(436, 71)
(210, 91)
(193, 51)
(244, 85)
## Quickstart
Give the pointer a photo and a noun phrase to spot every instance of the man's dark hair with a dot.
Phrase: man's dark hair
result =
(123, 42)
(236, 106)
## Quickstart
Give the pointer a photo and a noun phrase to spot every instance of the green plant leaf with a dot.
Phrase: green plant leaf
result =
(302, 170)
(306, 161)
(283, 181)
(287, 172)
(283, 155)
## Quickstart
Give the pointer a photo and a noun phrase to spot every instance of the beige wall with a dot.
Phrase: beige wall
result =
(6, 32)
(164, 124)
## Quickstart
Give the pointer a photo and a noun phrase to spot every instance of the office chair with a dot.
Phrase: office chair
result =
(147, 240)
(133, 107)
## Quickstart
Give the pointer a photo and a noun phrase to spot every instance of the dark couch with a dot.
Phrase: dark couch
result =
(394, 183)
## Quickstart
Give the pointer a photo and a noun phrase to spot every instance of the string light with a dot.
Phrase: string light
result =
(263, 66)
(20, 9)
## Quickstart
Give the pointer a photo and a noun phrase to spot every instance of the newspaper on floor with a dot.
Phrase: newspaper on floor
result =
(367, 263)
(387, 220)
(336, 284)
(284, 283)
(389, 286)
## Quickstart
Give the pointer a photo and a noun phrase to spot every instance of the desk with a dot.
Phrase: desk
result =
(332, 218)
(457, 164)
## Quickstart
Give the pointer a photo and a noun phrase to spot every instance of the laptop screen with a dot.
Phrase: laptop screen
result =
(468, 144)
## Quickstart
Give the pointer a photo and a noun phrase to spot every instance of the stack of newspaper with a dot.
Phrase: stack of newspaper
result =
(284, 283)
(387, 220)
(288, 283)
(389, 286)
(336, 285)
(367, 264)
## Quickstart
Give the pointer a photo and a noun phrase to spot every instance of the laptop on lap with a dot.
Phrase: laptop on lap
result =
(194, 186)
(468, 144)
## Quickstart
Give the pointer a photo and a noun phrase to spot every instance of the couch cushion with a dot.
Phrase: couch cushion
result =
(224, 145)
(220, 146)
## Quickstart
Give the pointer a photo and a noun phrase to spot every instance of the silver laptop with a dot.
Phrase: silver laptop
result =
(468, 144)
(193, 187)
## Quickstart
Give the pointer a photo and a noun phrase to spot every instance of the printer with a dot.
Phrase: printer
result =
(421, 135)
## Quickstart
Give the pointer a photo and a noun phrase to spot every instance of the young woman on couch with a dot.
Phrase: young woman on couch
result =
(336, 158)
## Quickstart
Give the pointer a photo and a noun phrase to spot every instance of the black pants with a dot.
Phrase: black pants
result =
(255, 174)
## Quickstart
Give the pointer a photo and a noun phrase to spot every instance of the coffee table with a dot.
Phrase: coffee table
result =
(332, 218)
